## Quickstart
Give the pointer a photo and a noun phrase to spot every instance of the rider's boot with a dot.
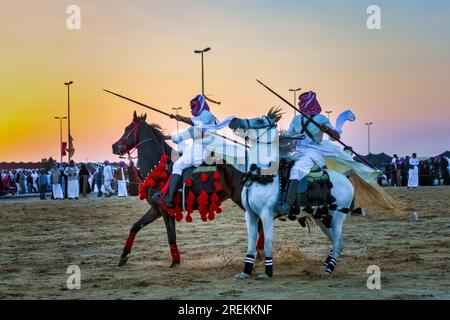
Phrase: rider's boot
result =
(175, 181)
(284, 206)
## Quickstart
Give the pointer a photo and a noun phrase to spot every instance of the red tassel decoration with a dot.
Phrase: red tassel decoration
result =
(190, 202)
(152, 183)
(216, 176)
(204, 177)
(188, 218)
(218, 187)
(188, 182)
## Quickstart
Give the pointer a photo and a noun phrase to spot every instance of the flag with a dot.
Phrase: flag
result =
(63, 148)
(71, 149)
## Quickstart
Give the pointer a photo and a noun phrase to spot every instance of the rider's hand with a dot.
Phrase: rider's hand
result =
(323, 128)
(172, 116)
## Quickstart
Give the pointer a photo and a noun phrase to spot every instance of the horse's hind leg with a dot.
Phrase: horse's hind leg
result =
(252, 236)
(172, 237)
(337, 223)
(327, 232)
(147, 218)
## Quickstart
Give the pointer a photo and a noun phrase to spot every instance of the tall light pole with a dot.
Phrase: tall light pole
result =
(60, 134)
(69, 142)
(368, 124)
(295, 97)
(176, 110)
(328, 113)
(203, 69)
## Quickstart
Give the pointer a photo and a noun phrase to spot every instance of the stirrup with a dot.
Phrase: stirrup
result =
(283, 208)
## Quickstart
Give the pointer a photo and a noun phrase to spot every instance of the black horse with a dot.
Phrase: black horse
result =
(149, 140)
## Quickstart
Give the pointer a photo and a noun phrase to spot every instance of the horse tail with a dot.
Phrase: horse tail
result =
(372, 194)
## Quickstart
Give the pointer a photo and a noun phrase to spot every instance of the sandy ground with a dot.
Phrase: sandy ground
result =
(40, 239)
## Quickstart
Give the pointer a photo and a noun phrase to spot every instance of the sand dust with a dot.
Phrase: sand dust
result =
(40, 239)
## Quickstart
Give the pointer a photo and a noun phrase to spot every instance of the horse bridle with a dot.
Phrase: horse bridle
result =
(134, 130)
(129, 151)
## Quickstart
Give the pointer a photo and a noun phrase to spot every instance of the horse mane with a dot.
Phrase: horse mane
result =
(275, 113)
(158, 129)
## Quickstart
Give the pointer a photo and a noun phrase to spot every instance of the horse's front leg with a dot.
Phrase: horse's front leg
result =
(252, 236)
(147, 218)
(172, 237)
(267, 221)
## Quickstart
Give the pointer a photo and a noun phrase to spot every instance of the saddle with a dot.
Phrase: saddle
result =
(313, 192)
(200, 179)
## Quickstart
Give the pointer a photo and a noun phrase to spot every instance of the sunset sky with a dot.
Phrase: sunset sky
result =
(397, 77)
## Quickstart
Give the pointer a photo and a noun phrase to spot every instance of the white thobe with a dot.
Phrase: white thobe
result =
(122, 184)
(315, 150)
(108, 179)
(73, 186)
(195, 154)
(413, 173)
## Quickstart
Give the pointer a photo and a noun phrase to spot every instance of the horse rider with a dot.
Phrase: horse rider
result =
(311, 149)
(193, 155)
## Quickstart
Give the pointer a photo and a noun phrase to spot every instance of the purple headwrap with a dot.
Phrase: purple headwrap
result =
(309, 105)
(198, 104)
(122, 164)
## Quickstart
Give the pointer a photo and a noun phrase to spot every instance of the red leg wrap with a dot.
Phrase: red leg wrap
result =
(130, 241)
(175, 253)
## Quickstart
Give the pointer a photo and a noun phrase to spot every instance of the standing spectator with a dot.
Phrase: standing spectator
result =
(396, 171)
(30, 187)
(64, 180)
(42, 183)
(134, 182)
(404, 167)
(122, 179)
(55, 178)
(20, 182)
(84, 180)
(99, 180)
(35, 176)
(413, 172)
(108, 176)
(73, 186)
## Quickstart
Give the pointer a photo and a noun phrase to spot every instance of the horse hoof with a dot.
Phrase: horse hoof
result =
(175, 264)
(123, 261)
(242, 276)
(263, 277)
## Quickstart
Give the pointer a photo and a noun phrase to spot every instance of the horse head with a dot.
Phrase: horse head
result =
(130, 138)
(253, 128)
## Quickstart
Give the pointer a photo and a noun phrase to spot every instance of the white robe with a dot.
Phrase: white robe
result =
(195, 154)
(122, 185)
(315, 150)
(413, 173)
(73, 186)
(108, 179)
(57, 191)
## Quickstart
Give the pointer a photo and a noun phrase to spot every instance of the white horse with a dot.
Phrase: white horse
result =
(261, 194)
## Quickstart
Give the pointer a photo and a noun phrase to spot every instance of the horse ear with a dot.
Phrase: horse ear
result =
(135, 115)
(145, 116)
